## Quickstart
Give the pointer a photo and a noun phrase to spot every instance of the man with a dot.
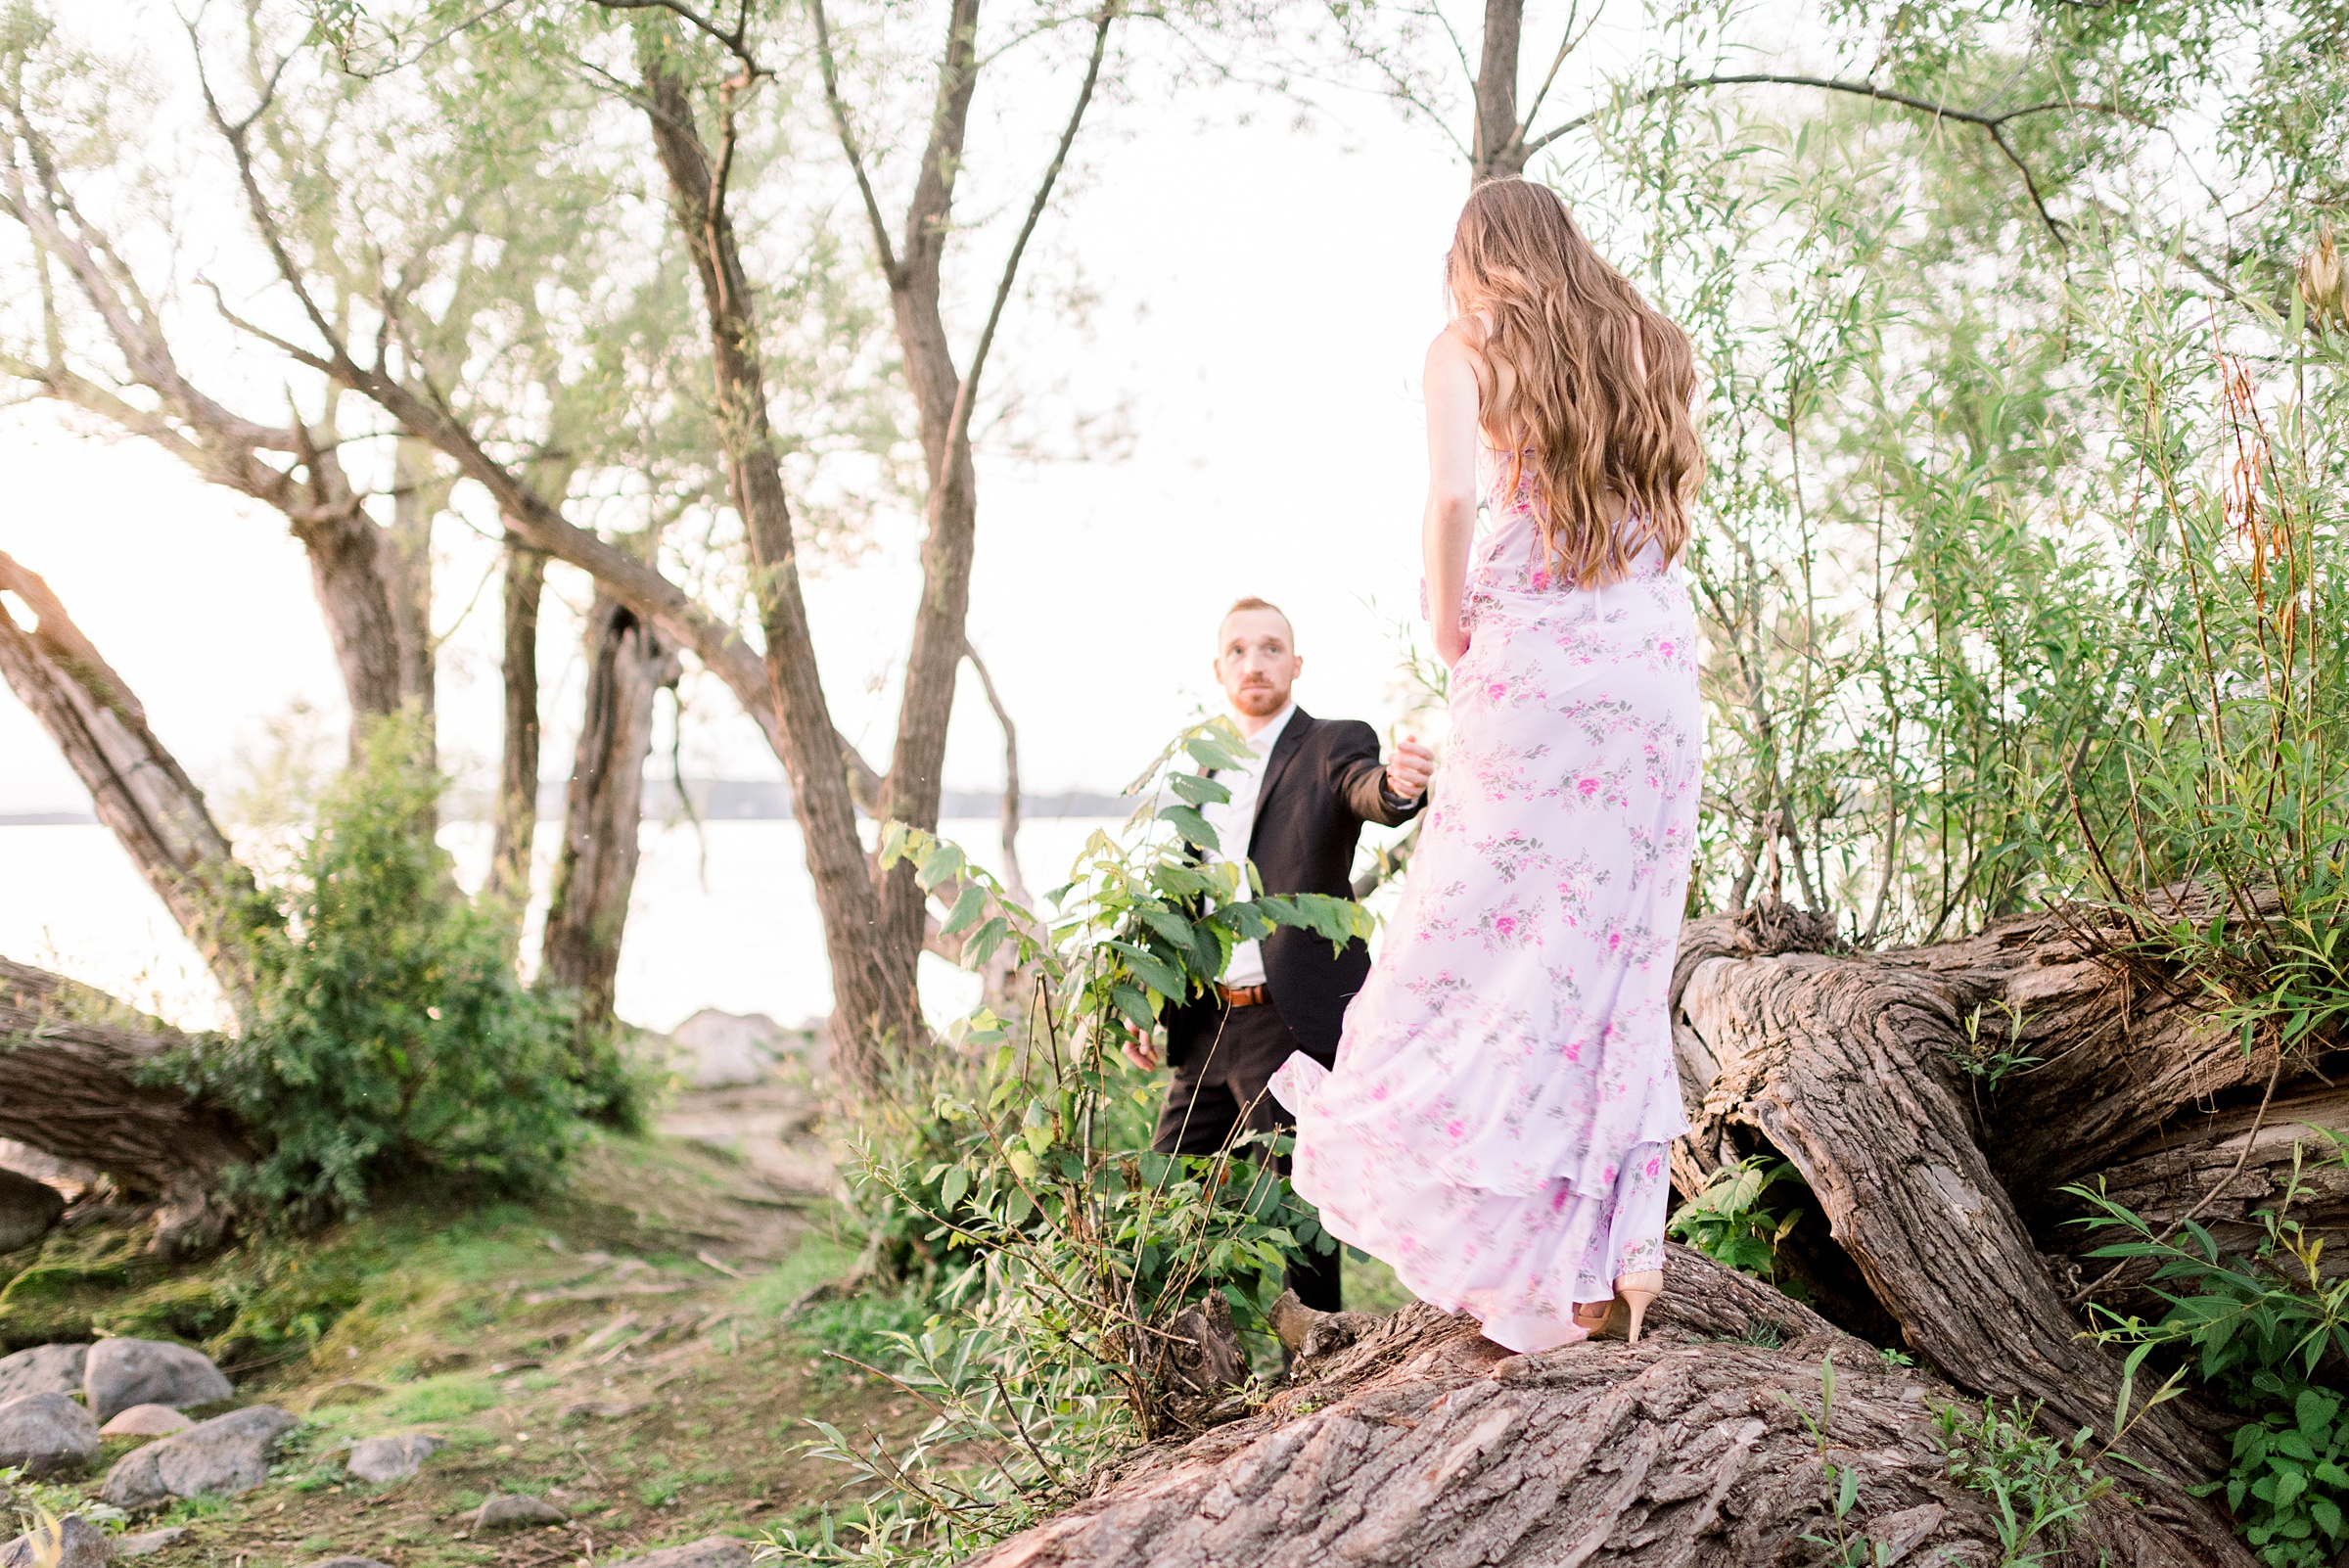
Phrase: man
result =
(1297, 810)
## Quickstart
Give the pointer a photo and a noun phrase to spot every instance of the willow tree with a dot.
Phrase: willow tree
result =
(715, 102)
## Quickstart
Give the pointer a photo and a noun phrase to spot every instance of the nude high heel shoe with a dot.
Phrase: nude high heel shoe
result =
(1635, 1292)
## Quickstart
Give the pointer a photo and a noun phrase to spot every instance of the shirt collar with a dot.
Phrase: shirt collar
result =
(1264, 739)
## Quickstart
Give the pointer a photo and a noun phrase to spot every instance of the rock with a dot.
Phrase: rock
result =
(69, 1177)
(46, 1433)
(29, 1209)
(148, 1542)
(123, 1372)
(725, 1050)
(222, 1456)
(42, 1369)
(80, 1544)
(711, 1551)
(517, 1511)
(146, 1420)
(391, 1459)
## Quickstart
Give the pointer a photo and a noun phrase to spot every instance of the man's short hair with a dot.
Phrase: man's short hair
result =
(1252, 602)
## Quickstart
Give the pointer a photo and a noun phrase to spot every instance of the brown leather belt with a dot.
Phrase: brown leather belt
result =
(1243, 995)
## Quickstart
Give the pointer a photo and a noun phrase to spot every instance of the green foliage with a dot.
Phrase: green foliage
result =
(2037, 1484)
(1060, 1254)
(1728, 1222)
(388, 1032)
(2269, 1334)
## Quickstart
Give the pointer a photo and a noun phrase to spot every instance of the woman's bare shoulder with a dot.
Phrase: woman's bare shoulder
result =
(1451, 349)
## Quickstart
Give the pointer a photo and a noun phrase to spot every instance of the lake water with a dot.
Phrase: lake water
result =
(726, 918)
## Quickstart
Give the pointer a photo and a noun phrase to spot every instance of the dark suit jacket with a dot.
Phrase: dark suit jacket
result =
(1321, 783)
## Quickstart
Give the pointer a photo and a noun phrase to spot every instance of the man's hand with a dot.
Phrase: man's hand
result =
(1140, 1052)
(1410, 769)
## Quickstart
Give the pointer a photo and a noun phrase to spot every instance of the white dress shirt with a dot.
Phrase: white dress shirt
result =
(1234, 822)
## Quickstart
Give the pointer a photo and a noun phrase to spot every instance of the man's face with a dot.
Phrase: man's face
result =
(1256, 661)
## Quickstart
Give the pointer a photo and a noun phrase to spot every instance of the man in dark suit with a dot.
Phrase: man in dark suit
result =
(1297, 812)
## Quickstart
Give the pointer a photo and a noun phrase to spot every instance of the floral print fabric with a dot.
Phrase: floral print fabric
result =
(1497, 1123)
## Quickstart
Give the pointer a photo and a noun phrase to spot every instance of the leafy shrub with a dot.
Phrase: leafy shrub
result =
(387, 1030)
(1062, 1253)
(2037, 1483)
(1728, 1223)
(2269, 1334)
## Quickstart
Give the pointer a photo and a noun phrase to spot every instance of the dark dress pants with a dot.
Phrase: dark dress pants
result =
(1220, 1089)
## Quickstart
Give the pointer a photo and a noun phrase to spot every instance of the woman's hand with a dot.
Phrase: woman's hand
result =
(1451, 642)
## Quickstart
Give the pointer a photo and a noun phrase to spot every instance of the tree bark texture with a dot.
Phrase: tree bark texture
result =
(872, 964)
(517, 810)
(1852, 1068)
(628, 663)
(136, 785)
(1708, 1443)
(71, 1066)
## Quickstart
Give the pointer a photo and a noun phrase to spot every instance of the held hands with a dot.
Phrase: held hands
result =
(1409, 769)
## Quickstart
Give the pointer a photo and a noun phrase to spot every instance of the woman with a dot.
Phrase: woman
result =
(1497, 1122)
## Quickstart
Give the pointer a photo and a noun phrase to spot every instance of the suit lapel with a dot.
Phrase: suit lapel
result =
(1276, 767)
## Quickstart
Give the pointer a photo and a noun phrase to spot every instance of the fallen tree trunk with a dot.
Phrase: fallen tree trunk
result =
(73, 1067)
(137, 787)
(1708, 1443)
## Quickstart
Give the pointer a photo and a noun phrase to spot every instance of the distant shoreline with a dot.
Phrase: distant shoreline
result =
(713, 800)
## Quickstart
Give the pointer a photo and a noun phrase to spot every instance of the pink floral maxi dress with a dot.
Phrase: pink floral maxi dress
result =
(1497, 1124)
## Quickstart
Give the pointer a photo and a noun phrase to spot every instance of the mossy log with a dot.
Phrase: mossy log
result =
(72, 1084)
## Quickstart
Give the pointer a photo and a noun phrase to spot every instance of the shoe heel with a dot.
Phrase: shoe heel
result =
(1635, 1292)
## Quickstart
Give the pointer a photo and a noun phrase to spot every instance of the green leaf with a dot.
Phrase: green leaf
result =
(942, 861)
(954, 1188)
(1192, 825)
(984, 940)
(1134, 1007)
(967, 909)
(1197, 790)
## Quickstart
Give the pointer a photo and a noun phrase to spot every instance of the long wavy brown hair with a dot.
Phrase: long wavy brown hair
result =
(1601, 399)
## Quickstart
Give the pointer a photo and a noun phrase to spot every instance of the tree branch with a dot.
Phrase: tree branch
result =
(848, 142)
(958, 423)
(1992, 122)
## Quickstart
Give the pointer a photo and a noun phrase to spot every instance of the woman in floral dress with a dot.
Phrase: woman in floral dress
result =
(1497, 1124)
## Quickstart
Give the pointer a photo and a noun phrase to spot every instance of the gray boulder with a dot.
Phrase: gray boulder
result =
(123, 1372)
(46, 1433)
(82, 1545)
(145, 1543)
(43, 1369)
(711, 1551)
(516, 1511)
(391, 1459)
(29, 1209)
(222, 1456)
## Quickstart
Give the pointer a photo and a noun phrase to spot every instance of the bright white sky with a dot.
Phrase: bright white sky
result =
(1267, 290)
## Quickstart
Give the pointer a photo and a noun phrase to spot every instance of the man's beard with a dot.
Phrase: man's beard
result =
(1260, 702)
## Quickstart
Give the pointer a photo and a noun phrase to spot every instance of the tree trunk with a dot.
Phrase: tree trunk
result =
(1709, 1443)
(516, 808)
(1498, 149)
(71, 1061)
(137, 787)
(629, 663)
(872, 964)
